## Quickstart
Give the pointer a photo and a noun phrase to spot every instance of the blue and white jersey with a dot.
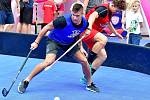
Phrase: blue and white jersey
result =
(68, 34)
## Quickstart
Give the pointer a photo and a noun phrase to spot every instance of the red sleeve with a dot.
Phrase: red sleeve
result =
(61, 7)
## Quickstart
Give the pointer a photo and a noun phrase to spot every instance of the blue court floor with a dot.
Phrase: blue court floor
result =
(63, 81)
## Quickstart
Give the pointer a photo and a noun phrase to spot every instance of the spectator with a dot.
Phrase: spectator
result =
(134, 22)
(16, 15)
(6, 15)
(52, 9)
(26, 14)
(118, 21)
(49, 9)
(59, 7)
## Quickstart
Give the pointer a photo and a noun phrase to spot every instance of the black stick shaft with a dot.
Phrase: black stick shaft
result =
(19, 71)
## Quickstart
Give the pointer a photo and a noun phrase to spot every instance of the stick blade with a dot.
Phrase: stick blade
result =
(4, 92)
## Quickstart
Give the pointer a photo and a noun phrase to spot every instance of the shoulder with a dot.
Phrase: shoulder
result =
(60, 22)
(102, 11)
(101, 8)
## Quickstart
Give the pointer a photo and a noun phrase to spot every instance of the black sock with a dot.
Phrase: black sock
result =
(93, 71)
(91, 56)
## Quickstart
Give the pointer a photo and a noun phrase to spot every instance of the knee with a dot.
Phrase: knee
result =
(84, 61)
(103, 56)
(102, 40)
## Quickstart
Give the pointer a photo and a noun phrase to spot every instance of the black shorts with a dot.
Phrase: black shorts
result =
(26, 14)
(54, 47)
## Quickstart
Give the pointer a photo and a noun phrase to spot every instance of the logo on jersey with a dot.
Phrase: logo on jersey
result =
(74, 33)
(115, 20)
(103, 25)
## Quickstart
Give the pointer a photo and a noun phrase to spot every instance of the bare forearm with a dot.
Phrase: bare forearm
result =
(112, 28)
(39, 37)
(92, 18)
(85, 2)
(114, 31)
(43, 32)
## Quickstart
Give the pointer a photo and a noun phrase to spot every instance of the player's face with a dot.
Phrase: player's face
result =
(77, 17)
(113, 8)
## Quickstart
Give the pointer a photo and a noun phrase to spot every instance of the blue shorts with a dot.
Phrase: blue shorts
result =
(6, 17)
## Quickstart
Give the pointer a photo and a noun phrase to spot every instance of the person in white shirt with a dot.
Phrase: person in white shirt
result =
(134, 22)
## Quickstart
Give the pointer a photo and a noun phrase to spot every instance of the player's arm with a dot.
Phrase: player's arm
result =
(45, 29)
(111, 27)
(85, 2)
(92, 18)
(99, 12)
(58, 23)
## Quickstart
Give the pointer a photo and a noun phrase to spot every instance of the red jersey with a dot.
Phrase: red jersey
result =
(59, 8)
(49, 9)
(100, 22)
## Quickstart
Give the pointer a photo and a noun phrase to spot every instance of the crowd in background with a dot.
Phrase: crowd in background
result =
(23, 16)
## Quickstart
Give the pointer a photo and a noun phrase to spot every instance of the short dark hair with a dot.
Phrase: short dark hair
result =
(121, 4)
(77, 7)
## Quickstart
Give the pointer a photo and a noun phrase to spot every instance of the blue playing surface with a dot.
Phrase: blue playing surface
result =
(62, 80)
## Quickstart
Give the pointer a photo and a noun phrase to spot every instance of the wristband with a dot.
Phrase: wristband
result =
(36, 42)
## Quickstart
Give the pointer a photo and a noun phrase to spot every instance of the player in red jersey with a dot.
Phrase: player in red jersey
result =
(98, 18)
